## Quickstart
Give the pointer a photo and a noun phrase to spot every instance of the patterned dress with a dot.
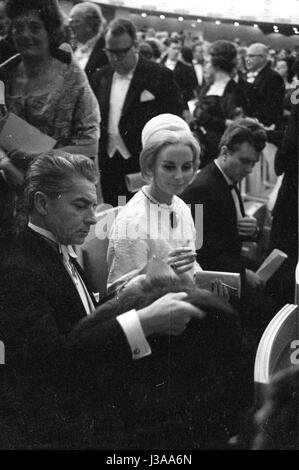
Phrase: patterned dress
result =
(65, 109)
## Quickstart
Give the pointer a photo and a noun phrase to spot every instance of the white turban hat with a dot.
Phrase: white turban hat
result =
(162, 123)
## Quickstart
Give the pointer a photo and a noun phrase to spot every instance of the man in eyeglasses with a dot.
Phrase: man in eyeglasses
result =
(131, 91)
(268, 91)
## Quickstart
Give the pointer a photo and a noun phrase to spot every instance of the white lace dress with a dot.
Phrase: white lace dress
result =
(143, 229)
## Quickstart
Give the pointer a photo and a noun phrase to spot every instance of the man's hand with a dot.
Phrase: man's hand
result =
(247, 226)
(253, 280)
(168, 315)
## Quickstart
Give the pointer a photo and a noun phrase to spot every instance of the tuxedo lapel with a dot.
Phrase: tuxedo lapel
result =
(226, 196)
(135, 87)
(58, 277)
(104, 96)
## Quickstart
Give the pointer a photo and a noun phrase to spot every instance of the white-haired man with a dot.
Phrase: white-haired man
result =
(87, 23)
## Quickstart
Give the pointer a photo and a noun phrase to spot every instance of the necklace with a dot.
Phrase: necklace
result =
(173, 217)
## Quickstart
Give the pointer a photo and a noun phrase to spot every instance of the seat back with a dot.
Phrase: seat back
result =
(92, 255)
(277, 348)
(134, 182)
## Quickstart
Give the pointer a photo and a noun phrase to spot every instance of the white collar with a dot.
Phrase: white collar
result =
(227, 179)
(49, 235)
(85, 46)
(254, 73)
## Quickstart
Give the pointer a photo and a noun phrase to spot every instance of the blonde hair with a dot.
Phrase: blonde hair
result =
(162, 139)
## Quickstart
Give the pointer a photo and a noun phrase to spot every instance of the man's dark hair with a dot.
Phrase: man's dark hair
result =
(53, 173)
(244, 130)
(121, 26)
(174, 41)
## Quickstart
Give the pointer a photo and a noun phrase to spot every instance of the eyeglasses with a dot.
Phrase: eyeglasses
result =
(120, 53)
(250, 56)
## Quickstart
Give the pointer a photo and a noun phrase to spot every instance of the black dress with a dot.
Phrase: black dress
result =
(210, 114)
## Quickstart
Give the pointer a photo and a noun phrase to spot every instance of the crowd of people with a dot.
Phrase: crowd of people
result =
(159, 363)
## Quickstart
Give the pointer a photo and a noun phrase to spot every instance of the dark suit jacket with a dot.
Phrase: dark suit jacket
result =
(284, 232)
(147, 76)
(268, 89)
(221, 249)
(97, 58)
(54, 353)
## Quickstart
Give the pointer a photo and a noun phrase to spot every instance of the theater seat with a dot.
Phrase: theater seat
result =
(92, 254)
(277, 348)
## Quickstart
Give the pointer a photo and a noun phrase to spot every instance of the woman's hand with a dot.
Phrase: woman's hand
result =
(181, 259)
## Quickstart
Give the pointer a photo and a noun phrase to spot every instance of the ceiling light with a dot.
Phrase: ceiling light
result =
(162, 17)
(255, 25)
(180, 18)
(199, 20)
(144, 15)
(236, 23)
(218, 22)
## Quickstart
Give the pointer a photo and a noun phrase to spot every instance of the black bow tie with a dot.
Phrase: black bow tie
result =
(235, 187)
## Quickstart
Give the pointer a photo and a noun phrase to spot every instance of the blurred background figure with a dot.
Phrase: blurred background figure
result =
(88, 23)
(284, 231)
(269, 91)
(221, 100)
(198, 61)
(278, 419)
(7, 48)
(183, 74)
(146, 51)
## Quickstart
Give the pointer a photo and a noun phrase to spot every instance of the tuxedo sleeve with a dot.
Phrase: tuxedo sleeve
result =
(32, 330)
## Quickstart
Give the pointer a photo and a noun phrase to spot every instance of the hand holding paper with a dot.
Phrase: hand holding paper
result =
(247, 226)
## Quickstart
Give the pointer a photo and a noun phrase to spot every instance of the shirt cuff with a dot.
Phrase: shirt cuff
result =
(132, 328)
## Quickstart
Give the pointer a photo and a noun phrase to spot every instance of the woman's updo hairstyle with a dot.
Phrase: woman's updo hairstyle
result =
(223, 55)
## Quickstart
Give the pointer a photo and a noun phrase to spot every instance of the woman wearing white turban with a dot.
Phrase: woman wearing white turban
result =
(156, 222)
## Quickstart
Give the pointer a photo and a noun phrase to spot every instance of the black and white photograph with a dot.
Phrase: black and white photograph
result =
(149, 273)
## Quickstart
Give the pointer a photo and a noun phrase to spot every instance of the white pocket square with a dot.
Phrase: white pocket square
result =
(147, 96)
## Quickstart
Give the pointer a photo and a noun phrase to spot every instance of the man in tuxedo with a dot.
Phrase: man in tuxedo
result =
(268, 91)
(183, 74)
(7, 48)
(130, 91)
(225, 224)
(198, 61)
(87, 24)
(56, 344)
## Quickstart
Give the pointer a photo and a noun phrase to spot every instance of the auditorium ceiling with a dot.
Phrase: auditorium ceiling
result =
(272, 11)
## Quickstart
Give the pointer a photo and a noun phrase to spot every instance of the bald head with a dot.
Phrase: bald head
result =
(257, 56)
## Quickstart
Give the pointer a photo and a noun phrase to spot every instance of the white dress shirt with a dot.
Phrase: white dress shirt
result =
(128, 321)
(217, 88)
(119, 89)
(170, 64)
(199, 72)
(83, 51)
